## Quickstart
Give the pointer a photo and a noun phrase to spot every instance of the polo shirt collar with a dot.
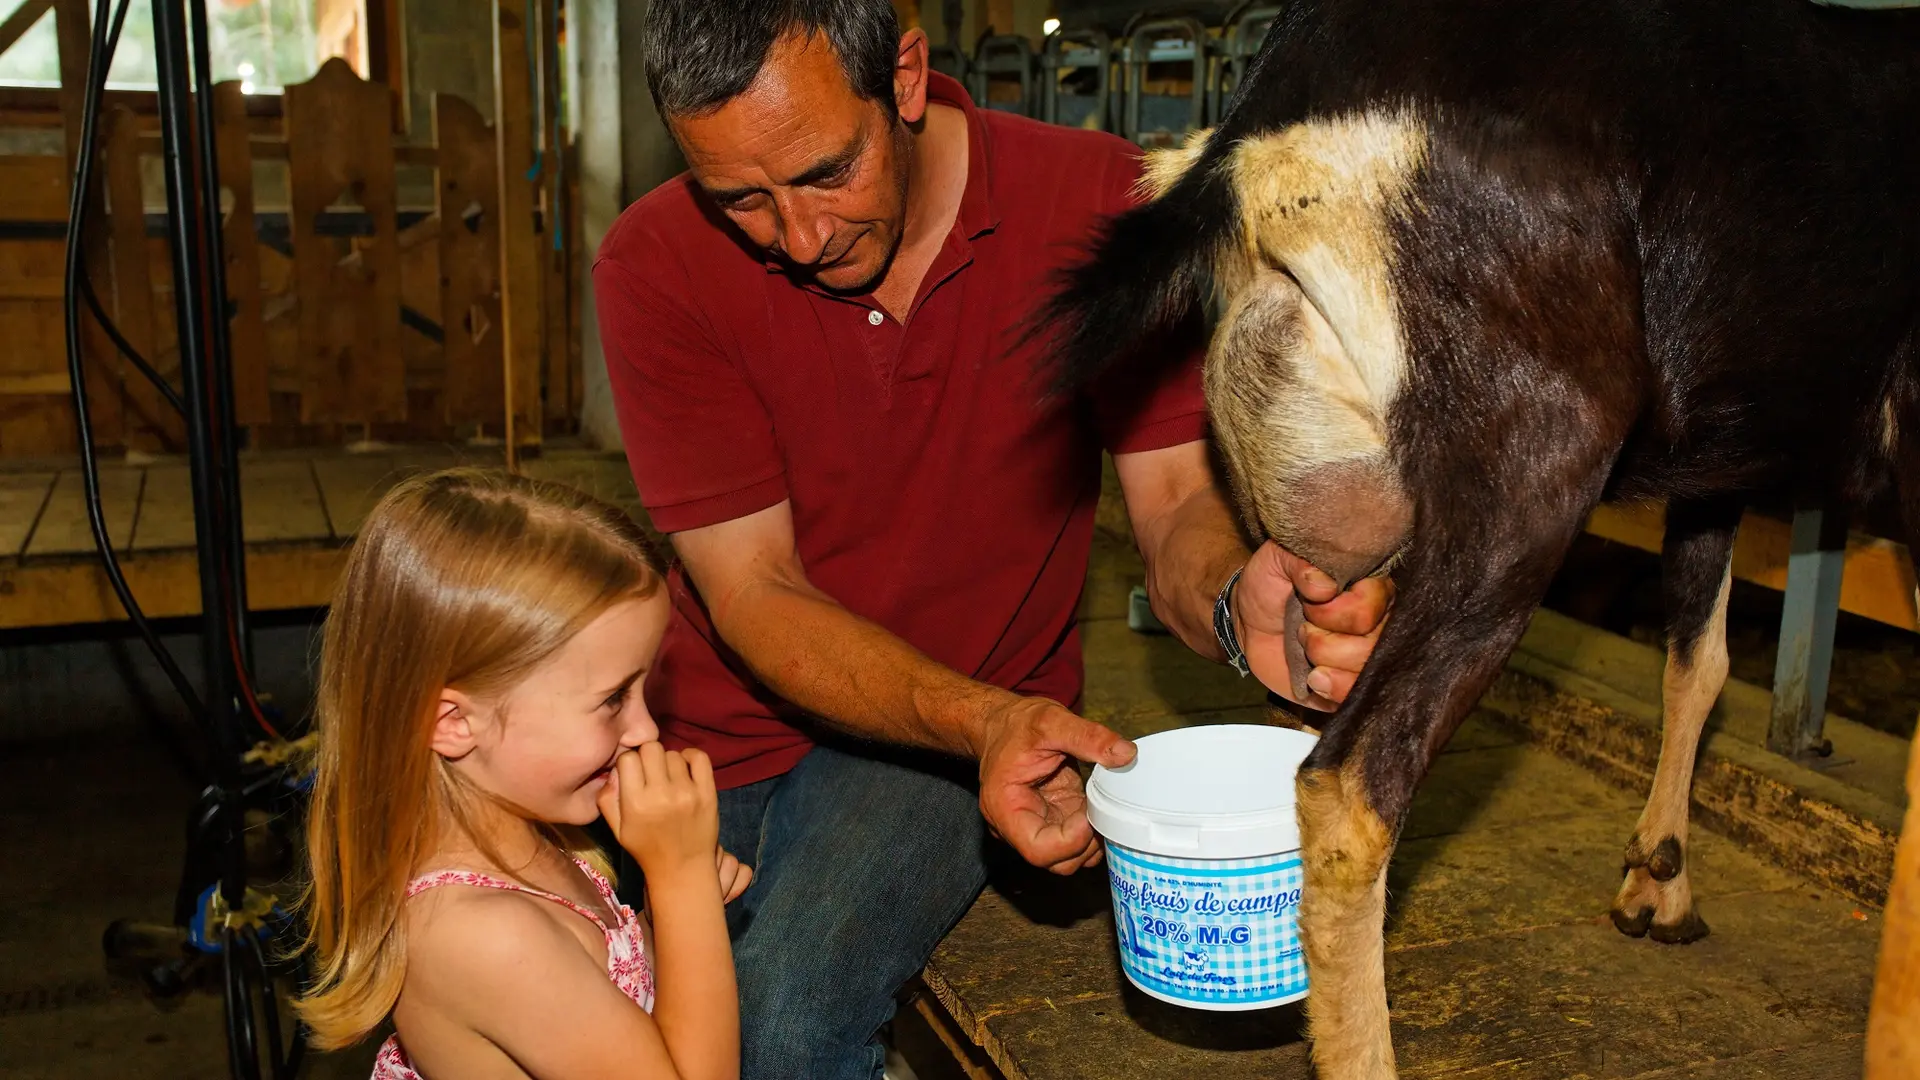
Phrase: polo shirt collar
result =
(977, 212)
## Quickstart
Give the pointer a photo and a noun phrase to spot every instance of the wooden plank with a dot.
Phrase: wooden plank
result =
(166, 510)
(1878, 583)
(64, 527)
(68, 591)
(1827, 831)
(351, 365)
(1553, 999)
(468, 196)
(247, 333)
(152, 422)
(22, 20)
(101, 362)
(73, 33)
(604, 477)
(997, 16)
(280, 502)
(350, 486)
(36, 187)
(274, 148)
(520, 276)
(576, 268)
(33, 269)
(37, 426)
(22, 497)
(41, 385)
(34, 333)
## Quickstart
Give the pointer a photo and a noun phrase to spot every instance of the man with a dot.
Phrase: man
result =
(814, 341)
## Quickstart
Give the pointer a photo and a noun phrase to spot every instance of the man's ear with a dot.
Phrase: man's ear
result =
(454, 725)
(910, 76)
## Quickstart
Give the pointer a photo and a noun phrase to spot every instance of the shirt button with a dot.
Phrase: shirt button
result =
(874, 317)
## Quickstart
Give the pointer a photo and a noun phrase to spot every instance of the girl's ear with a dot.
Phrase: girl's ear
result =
(454, 727)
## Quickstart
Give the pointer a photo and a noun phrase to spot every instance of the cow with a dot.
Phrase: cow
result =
(1470, 268)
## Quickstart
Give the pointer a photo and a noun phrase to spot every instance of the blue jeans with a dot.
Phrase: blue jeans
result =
(861, 863)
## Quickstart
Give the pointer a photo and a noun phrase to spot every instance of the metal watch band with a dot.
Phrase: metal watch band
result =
(1223, 626)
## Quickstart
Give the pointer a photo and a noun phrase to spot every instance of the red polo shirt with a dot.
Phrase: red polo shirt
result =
(931, 491)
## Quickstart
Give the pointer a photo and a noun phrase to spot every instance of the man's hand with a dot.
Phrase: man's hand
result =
(1340, 632)
(1030, 791)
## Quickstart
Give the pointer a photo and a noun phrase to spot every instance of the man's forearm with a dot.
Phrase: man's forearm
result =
(852, 673)
(1190, 551)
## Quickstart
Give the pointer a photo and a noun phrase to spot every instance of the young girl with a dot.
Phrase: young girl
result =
(479, 703)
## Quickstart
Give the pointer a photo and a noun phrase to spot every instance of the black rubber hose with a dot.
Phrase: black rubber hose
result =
(126, 347)
(100, 55)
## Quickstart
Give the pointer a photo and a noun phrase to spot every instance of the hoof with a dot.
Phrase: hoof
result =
(1634, 925)
(1689, 929)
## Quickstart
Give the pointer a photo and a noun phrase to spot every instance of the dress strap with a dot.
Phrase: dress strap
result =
(487, 881)
(600, 882)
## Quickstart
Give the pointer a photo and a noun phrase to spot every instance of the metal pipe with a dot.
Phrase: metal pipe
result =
(220, 361)
(170, 55)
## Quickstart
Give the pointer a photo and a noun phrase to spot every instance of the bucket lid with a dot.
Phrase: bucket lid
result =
(1217, 791)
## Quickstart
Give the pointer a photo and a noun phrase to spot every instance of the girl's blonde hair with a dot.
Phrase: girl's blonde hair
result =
(463, 578)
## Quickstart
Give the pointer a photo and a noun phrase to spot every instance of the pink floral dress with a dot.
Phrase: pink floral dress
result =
(626, 953)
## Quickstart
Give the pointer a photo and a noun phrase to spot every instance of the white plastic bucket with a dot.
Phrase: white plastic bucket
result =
(1203, 855)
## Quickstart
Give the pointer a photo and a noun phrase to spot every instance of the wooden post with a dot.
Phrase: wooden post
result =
(252, 405)
(99, 356)
(338, 144)
(22, 20)
(556, 239)
(468, 202)
(513, 127)
(997, 14)
(151, 422)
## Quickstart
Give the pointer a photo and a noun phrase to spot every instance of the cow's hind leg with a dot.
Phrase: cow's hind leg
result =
(1656, 897)
(1466, 590)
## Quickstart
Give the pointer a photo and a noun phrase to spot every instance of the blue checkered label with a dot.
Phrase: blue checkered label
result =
(1209, 930)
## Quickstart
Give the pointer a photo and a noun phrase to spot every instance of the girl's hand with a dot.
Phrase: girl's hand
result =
(662, 807)
(735, 875)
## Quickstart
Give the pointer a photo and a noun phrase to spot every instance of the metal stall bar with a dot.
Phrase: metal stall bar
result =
(1241, 37)
(1002, 54)
(1070, 51)
(1156, 119)
(950, 58)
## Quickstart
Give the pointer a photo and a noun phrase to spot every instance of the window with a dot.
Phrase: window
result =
(265, 44)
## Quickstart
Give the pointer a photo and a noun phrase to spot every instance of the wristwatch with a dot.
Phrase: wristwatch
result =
(1223, 626)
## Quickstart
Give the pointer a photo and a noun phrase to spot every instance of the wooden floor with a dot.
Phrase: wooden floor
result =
(299, 508)
(1501, 959)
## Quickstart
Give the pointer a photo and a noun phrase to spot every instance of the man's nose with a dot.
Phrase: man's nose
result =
(804, 231)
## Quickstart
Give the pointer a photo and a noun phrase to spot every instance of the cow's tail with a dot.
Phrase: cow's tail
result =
(1148, 273)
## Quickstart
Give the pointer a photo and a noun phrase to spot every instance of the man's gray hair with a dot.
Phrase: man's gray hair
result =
(702, 53)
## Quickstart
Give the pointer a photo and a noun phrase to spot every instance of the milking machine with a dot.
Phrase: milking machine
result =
(226, 923)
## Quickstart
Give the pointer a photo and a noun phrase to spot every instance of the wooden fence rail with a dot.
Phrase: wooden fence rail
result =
(355, 318)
